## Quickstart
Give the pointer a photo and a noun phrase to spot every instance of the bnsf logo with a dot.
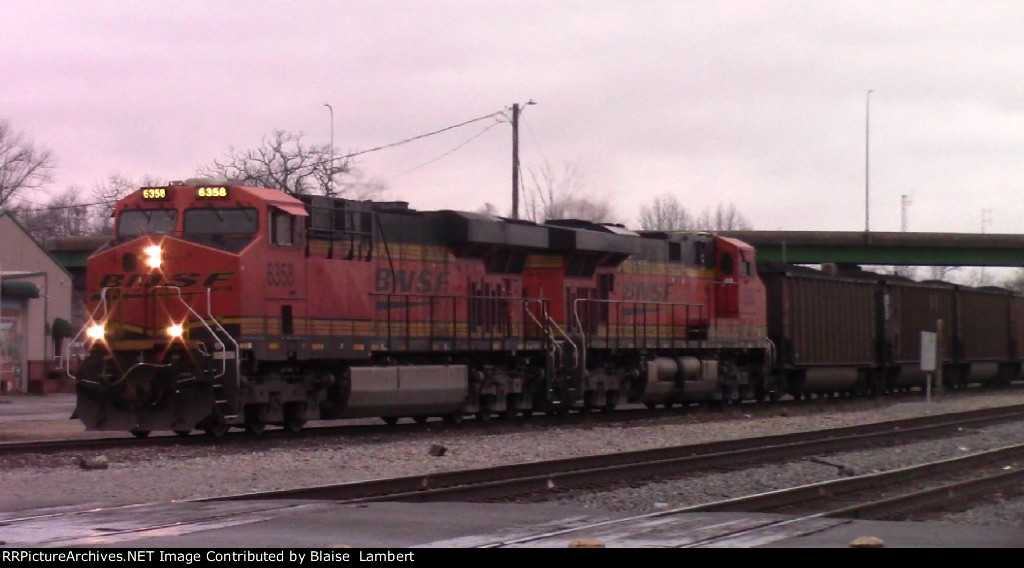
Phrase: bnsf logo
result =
(182, 279)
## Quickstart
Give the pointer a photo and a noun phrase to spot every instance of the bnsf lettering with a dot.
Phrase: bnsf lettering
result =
(182, 279)
(647, 292)
(411, 281)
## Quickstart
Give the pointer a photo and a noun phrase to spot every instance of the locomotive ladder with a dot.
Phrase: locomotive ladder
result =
(557, 358)
(101, 307)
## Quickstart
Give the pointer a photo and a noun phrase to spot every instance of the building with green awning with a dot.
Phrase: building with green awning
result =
(35, 292)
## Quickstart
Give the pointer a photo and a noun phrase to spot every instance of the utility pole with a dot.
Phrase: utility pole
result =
(515, 161)
(330, 180)
(867, 162)
(516, 109)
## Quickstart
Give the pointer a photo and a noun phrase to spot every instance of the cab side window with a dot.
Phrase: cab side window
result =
(282, 228)
(726, 263)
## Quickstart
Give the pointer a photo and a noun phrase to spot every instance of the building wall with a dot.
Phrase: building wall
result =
(24, 259)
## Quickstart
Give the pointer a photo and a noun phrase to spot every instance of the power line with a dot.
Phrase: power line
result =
(421, 136)
(449, 152)
(40, 207)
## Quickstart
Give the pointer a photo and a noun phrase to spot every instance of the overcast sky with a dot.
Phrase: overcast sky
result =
(762, 104)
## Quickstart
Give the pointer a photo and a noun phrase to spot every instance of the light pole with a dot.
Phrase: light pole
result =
(330, 180)
(867, 162)
(515, 157)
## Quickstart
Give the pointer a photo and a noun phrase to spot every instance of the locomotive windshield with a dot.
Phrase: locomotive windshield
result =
(227, 228)
(145, 222)
(221, 221)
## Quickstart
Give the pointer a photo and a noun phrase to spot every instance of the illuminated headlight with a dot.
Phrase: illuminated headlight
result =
(95, 332)
(175, 331)
(154, 256)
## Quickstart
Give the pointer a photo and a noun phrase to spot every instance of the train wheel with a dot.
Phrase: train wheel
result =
(390, 420)
(513, 404)
(486, 405)
(420, 419)
(255, 426)
(611, 400)
(216, 426)
(255, 423)
(140, 433)
(183, 433)
(453, 418)
(294, 418)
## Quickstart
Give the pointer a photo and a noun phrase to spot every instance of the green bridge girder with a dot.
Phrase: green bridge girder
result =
(884, 248)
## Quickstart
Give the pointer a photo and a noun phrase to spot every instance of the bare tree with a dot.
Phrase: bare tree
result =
(908, 272)
(70, 214)
(724, 218)
(64, 216)
(665, 213)
(105, 196)
(489, 209)
(941, 272)
(23, 165)
(551, 195)
(284, 162)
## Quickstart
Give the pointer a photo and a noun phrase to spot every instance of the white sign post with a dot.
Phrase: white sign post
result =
(928, 358)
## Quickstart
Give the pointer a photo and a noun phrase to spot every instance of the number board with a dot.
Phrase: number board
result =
(212, 192)
(155, 193)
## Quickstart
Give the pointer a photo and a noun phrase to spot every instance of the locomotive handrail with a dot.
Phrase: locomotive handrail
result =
(224, 361)
(510, 329)
(582, 331)
(547, 329)
(238, 351)
(91, 319)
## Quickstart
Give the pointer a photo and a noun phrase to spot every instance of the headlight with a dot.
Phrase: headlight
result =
(154, 256)
(95, 331)
(175, 331)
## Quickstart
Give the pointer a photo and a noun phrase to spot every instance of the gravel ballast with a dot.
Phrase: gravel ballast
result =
(156, 474)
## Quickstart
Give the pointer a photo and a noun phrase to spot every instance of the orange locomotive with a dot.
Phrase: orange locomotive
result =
(218, 306)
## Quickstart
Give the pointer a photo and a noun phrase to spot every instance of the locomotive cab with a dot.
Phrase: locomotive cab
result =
(157, 356)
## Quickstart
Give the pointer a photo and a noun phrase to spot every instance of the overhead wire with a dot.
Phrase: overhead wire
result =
(421, 136)
(448, 153)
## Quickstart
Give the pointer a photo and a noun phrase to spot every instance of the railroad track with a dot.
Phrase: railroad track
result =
(78, 525)
(521, 481)
(496, 425)
(890, 495)
(362, 427)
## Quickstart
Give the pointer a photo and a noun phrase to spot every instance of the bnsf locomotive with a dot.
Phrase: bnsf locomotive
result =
(217, 306)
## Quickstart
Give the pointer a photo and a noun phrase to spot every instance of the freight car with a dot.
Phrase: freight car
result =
(218, 306)
(859, 333)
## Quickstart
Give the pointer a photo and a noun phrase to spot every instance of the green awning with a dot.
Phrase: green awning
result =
(62, 328)
(18, 289)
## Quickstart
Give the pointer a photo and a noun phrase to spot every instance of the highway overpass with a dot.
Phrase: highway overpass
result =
(897, 248)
